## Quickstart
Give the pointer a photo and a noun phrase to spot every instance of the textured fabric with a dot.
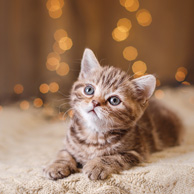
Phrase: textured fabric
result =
(28, 142)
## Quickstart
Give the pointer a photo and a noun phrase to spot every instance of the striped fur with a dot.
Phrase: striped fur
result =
(114, 138)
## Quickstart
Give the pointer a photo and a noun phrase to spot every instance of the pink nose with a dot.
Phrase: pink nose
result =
(95, 103)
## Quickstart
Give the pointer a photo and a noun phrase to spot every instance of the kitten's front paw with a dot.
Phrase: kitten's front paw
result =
(56, 171)
(95, 170)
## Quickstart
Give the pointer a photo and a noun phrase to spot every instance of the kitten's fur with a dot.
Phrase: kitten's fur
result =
(113, 138)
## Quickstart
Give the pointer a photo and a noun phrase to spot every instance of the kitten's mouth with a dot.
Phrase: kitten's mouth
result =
(92, 111)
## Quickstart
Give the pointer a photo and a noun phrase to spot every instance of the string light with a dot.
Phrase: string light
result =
(60, 33)
(139, 67)
(131, 5)
(18, 89)
(181, 74)
(24, 105)
(44, 88)
(55, 8)
(38, 102)
(53, 87)
(144, 17)
(63, 69)
(130, 53)
(186, 83)
(159, 94)
(158, 83)
(53, 60)
(57, 49)
(125, 24)
(120, 33)
(65, 43)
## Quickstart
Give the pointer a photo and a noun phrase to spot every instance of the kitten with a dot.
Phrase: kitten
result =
(113, 127)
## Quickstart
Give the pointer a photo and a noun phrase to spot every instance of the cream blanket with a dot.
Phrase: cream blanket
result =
(28, 141)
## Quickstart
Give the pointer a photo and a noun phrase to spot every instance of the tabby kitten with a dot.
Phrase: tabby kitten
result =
(113, 127)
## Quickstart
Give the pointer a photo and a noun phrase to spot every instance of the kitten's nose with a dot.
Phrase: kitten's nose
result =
(95, 103)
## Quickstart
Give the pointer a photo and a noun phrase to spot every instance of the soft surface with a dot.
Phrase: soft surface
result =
(28, 142)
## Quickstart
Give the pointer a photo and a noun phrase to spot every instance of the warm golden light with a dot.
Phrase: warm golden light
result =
(182, 69)
(44, 88)
(186, 83)
(57, 49)
(1, 108)
(60, 34)
(120, 33)
(144, 17)
(130, 53)
(18, 89)
(158, 83)
(179, 76)
(56, 14)
(132, 5)
(53, 5)
(139, 67)
(54, 55)
(53, 87)
(125, 24)
(159, 94)
(65, 43)
(63, 69)
(24, 105)
(53, 60)
(38, 102)
(122, 2)
(52, 64)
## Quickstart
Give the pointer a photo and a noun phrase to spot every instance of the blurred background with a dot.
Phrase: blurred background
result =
(42, 42)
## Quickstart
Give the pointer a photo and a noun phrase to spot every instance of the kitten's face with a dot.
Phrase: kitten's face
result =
(103, 96)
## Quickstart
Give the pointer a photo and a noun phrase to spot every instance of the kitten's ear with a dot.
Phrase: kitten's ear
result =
(89, 64)
(144, 87)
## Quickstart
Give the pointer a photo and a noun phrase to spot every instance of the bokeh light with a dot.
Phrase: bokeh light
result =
(53, 60)
(65, 43)
(18, 89)
(158, 83)
(130, 53)
(63, 69)
(53, 87)
(60, 33)
(55, 8)
(44, 88)
(120, 33)
(139, 68)
(144, 17)
(24, 105)
(57, 49)
(186, 83)
(159, 94)
(179, 76)
(131, 5)
(1, 108)
(125, 24)
(38, 102)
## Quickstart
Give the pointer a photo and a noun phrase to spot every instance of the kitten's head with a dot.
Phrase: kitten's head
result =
(106, 97)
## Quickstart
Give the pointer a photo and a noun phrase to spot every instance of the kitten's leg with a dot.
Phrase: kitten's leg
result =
(63, 166)
(101, 167)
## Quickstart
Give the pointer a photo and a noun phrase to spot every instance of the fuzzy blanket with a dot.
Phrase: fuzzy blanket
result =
(28, 142)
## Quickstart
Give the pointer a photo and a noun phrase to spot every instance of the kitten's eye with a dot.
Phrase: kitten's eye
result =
(89, 90)
(114, 100)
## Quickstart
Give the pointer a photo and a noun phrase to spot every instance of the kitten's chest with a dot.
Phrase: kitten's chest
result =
(87, 146)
